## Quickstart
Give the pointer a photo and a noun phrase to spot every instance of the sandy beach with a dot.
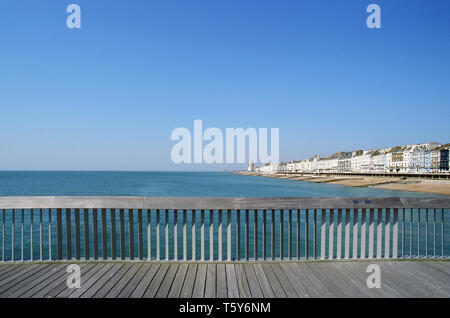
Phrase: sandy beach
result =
(406, 184)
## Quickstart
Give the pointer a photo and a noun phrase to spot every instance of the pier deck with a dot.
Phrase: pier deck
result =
(222, 280)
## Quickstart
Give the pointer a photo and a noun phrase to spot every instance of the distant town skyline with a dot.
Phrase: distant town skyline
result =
(108, 95)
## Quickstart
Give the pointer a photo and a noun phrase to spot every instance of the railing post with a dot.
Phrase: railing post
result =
(323, 234)
(387, 232)
(403, 233)
(281, 234)
(247, 236)
(22, 235)
(229, 235)
(122, 234)
(426, 233)
(434, 233)
(347, 234)
(13, 258)
(31, 235)
(77, 234)
(219, 242)
(113, 234)
(371, 232)
(211, 235)
(272, 246)
(184, 236)
(339, 235)
(418, 233)
(306, 234)
(158, 235)
(104, 237)
(363, 234)
(355, 234)
(264, 235)
(395, 234)
(238, 234)
(379, 233)
(298, 234)
(202, 235)
(331, 236)
(411, 233)
(59, 232)
(255, 233)
(68, 235)
(442, 234)
(131, 233)
(194, 221)
(166, 226)
(149, 235)
(3, 236)
(95, 226)
(140, 239)
(86, 234)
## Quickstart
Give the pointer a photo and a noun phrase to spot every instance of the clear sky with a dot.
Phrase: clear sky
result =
(107, 96)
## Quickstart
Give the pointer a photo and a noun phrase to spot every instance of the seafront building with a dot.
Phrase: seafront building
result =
(415, 158)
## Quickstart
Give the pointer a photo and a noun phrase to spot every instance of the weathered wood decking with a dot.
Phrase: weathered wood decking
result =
(222, 280)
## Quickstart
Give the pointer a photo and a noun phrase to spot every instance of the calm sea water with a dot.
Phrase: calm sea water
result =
(198, 184)
(201, 184)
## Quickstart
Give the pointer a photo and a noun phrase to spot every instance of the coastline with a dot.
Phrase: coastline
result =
(390, 183)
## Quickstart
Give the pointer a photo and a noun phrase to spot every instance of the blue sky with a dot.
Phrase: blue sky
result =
(107, 96)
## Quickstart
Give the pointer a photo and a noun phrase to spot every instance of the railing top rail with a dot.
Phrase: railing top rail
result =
(85, 202)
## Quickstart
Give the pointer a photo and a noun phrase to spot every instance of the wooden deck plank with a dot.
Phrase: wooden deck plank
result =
(221, 285)
(152, 289)
(350, 281)
(60, 285)
(232, 285)
(20, 276)
(95, 281)
(333, 277)
(123, 281)
(244, 288)
(143, 284)
(400, 276)
(86, 280)
(440, 284)
(134, 282)
(360, 275)
(330, 285)
(167, 282)
(178, 282)
(312, 283)
(40, 277)
(90, 280)
(40, 290)
(295, 280)
(253, 283)
(273, 280)
(189, 281)
(284, 281)
(441, 266)
(107, 282)
(263, 281)
(5, 270)
(200, 281)
(210, 286)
